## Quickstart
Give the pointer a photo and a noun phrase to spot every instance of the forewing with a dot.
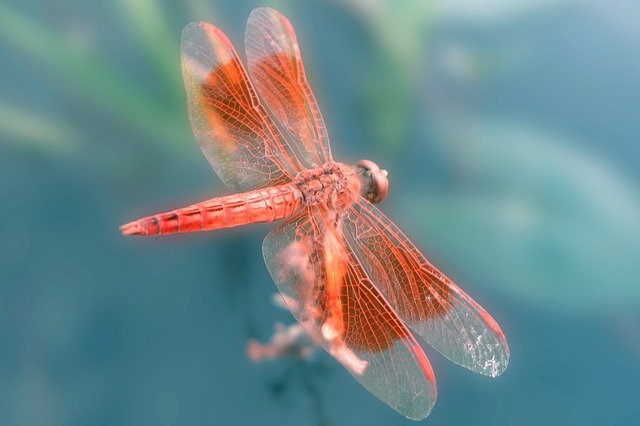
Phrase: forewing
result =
(232, 128)
(429, 302)
(344, 313)
(276, 67)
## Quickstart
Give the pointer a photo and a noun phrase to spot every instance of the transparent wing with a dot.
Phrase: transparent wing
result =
(276, 67)
(232, 128)
(332, 296)
(429, 302)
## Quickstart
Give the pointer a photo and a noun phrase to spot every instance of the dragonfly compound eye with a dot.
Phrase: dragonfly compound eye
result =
(375, 182)
(380, 187)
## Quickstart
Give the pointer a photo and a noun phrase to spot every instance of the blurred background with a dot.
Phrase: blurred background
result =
(510, 131)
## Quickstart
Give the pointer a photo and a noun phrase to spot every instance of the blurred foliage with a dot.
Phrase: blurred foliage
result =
(389, 87)
(23, 126)
(147, 21)
(491, 11)
(539, 218)
(157, 112)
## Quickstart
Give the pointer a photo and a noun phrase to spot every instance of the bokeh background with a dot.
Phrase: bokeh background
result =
(511, 134)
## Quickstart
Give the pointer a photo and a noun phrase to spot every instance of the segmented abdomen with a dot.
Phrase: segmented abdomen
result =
(261, 205)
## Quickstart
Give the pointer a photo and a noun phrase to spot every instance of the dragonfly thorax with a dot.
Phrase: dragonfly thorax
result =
(332, 184)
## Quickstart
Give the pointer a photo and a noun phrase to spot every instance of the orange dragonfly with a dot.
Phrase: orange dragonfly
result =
(348, 274)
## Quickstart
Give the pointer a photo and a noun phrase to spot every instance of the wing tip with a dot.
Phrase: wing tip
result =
(207, 28)
(264, 10)
(191, 27)
(421, 415)
(494, 367)
(272, 15)
(420, 408)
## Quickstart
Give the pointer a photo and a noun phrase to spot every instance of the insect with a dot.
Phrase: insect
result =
(349, 275)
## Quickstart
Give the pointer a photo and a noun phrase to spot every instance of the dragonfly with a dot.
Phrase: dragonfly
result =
(356, 283)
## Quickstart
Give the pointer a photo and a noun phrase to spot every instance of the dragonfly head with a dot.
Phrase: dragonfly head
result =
(375, 182)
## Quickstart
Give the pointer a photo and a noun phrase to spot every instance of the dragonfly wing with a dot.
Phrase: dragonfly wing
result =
(429, 302)
(276, 67)
(332, 296)
(232, 128)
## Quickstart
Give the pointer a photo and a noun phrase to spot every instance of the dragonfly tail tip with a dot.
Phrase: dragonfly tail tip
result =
(131, 228)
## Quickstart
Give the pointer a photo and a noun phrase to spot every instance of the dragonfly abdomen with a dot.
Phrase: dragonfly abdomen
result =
(261, 205)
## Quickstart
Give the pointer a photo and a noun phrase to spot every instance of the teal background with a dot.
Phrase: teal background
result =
(510, 132)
